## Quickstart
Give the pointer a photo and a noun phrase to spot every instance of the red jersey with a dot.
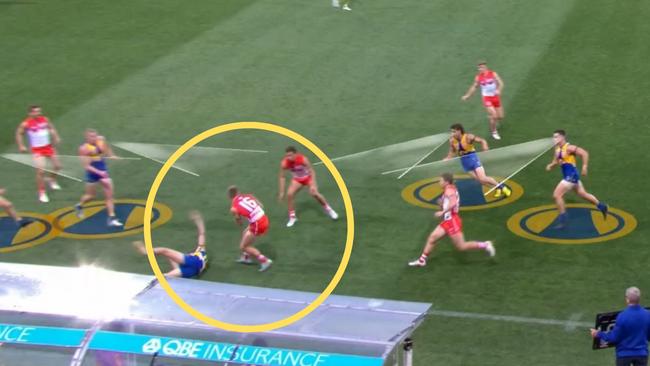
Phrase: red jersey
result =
(297, 167)
(38, 131)
(488, 83)
(248, 206)
(451, 192)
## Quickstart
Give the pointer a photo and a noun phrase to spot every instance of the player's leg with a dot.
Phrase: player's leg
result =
(500, 114)
(459, 242)
(480, 175)
(246, 245)
(175, 257)
(558, 195)
(8, 207)
(437, 234)
(56, 167)
(492, 119)
(313, 191)
(39, 164)
(107, 185)
(294, 187)
(89, 193)
(580, 190)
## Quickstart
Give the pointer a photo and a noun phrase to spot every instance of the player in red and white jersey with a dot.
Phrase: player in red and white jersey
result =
(302, 175)
(491, 87)
(450, 225)
(249, 207)
(42, 137)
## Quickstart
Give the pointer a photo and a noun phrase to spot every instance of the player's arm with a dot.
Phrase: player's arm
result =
(55, 135)
(552, 164)
(583, 154)
(2, 191)
(451, 152)
(196, 217)
(500, 84)
(470, 91)
(449, 205)
(106, 147)
(20, 131)
(282, 181)
(236, 215)
(85, 162)
(482, 141)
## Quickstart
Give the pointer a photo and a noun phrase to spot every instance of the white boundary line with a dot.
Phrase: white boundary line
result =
(158, 161)
(569, 325)
(518, 170)
(207, 147)
(45, 170)
(105, 157)
(421, 159)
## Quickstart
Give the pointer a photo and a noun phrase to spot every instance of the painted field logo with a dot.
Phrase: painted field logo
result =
(94, 223)
(13, 237)
(425, 193)
(586, 224)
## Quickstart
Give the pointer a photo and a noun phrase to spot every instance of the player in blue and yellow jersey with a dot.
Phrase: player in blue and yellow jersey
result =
(92, 154)
(461, 144)
(184, 265)
(565, 157)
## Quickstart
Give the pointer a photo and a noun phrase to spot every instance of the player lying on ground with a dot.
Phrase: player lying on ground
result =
(491, 88)
(461, 144)
(184, 265)
(42, 137)
(565, 156)
(303, 174)
(6, 205)
(450, 225)
(246, 205)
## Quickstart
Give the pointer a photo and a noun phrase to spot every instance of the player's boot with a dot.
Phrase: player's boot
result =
(42, 196)
(79, 211)
(490, 249)
(245, 259)
(418, 263)
(562, 221)
(332, 214)
(292, 221)
(346, 7)
(495, 135)
(335, 3)
(266, 265)
(506, 191)
(602, 207)
(54, 185)
(114, 222)
(498, 192)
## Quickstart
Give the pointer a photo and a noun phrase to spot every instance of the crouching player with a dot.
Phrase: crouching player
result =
(246, 205)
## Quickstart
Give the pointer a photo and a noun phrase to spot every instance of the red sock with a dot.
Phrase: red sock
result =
(292, 213)
(423, 257)
(261, 258)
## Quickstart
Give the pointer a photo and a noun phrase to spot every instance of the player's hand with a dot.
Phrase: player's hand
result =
(103, 174)
(549, 167)
(2, 191)
(464, 97)
(594, 332)
(584, 171)
(439, 214)
(22, 149)
(280, 196)
(195, 215)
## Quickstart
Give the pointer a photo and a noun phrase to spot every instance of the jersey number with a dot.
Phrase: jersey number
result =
(248, 204)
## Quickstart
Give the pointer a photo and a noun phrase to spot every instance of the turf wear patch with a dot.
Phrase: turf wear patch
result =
(425, 193)
(586, 224)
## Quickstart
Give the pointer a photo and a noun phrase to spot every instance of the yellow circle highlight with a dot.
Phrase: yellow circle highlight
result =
(514, 225)
(249, 126)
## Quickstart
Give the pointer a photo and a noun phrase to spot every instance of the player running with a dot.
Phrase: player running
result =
(184, 265)
(6, 205)
(42, 137)
(92, 154)
(462, 144)
(246, 205)
(451, 225)
(491, 88)
(303, 175)
(565, 156)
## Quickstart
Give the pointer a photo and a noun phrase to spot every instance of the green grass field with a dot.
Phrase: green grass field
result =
(387, 72)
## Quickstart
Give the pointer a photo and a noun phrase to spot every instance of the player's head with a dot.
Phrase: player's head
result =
(90, 135)
(34, 110)
(482, 66)
(233, 191)
(457, 130)
(559, 137)
(290, 152)
(633, 295)
(446, 179)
